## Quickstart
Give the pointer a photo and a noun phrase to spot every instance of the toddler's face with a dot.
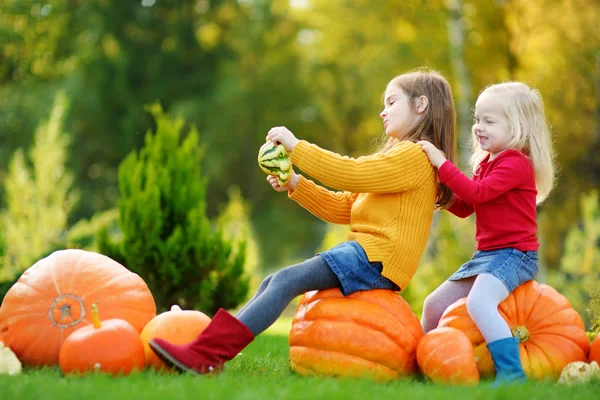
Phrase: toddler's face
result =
(491, 129)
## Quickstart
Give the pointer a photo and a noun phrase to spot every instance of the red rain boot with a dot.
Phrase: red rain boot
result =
(220, 341)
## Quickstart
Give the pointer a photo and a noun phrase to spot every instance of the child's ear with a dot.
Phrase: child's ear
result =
(422, 104)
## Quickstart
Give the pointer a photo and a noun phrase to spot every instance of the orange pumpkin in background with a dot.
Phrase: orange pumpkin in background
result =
(595, 350)
(176, 326)
(369, 334)
(50, 299)
(551, 332)
(112, 346)
(445, 355)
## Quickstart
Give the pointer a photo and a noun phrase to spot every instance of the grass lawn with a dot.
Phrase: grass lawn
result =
(262, 372)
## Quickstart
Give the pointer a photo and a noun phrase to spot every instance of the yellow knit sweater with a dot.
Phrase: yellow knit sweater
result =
(387, 199)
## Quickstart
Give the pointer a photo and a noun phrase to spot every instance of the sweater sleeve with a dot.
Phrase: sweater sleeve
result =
(460, 208)
(402, 168)
(504, 176)
(334, 207)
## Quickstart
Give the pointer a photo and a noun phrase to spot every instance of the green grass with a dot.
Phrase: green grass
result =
(262, 372)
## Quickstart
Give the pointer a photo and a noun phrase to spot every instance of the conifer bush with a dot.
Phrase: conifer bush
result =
(166, 236)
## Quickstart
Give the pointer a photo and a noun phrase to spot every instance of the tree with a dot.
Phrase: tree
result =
(580, 263)
(39, 197)
(166, 237)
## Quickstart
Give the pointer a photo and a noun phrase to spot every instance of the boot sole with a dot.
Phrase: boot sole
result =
(169, 360)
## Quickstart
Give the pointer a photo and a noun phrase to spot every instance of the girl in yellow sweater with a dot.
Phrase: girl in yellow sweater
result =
(387, 198)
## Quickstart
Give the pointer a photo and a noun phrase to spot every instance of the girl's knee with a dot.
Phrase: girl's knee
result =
(432, 305)
(478, 306)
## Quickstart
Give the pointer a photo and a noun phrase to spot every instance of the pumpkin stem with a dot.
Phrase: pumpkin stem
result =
(95, 316)
(521, 333)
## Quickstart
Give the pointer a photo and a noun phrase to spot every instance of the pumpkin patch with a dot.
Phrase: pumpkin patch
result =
(369, 334)
(551, 332)
(49, 302)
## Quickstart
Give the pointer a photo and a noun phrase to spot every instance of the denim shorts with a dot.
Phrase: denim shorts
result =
(349, 262)
(513, 267)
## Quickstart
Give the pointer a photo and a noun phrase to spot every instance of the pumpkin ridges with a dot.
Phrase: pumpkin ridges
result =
(332, 334)
(107, 285)
(375, 318)
(358, 342)
(41, 340)
(556, 342)
(396, 306)
(321, 362)
(391, 302)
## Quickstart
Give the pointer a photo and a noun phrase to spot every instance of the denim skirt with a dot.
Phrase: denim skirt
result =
(513, 267)
(349, 262)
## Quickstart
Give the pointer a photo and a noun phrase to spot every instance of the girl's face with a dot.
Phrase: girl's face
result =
(491, 128)
(398, 114)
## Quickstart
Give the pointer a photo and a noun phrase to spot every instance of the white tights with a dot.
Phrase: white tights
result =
(484, 293)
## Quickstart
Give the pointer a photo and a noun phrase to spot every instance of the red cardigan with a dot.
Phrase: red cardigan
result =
(502, 195)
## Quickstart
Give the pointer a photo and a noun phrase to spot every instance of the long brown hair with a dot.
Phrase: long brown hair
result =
(437, 124)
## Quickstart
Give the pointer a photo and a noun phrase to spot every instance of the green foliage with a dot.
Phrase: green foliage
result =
(83, 234)
(237, 68)
(580, 263)
(166, 236)
(593, 291)
(39, 196)
(234, 222)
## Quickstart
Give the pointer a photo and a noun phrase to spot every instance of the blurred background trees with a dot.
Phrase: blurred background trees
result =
(235, 68)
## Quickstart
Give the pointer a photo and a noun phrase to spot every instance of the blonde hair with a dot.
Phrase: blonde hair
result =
(524, 110)
(437, 124)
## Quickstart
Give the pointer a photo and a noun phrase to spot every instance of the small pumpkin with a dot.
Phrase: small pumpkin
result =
(112, 346)
(176, 326)
(595, 350)
(551, 332)
(9, 363)
(579, 372)
(275, 160)
(367, 334)
(50, 299)
(445, 355)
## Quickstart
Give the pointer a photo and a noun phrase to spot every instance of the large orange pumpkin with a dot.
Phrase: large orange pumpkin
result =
(445, 355)
(50, 299)
(112, 346)
(551, 332)
(370, 334)
(176, 326)
(595, 350)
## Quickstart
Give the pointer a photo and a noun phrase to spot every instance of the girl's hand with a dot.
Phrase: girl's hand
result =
(436, 157)
(291, 185)
(281, 134)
